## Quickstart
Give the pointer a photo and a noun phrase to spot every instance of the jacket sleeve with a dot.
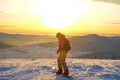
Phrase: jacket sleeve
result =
(61, 43)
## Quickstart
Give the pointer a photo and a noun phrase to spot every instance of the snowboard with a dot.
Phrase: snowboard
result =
(67, 76)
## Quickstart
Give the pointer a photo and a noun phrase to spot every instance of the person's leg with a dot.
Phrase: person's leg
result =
(64, 65)
(59, 64)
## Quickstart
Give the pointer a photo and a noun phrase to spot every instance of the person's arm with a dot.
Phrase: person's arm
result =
(61, 43)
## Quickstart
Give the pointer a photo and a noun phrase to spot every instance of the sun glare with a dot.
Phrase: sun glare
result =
(60, 14)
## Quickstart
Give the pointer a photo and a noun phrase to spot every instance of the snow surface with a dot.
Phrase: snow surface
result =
(36, 51)
(44, 69)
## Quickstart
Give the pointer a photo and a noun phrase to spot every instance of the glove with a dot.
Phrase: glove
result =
(57, 51)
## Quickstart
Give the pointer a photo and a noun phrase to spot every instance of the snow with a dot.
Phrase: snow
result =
(36, 51)
(44, 69)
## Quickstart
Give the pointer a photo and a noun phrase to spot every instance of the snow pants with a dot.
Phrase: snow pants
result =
(61, 61)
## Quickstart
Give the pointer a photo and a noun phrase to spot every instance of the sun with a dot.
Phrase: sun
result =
(60, 14)
(57, 21)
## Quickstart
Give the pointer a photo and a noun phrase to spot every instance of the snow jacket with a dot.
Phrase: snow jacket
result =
(63, 43)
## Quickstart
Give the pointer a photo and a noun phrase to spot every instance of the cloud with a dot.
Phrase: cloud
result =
(110, 1)
(116, 23)
(1, 12)
(5, 26)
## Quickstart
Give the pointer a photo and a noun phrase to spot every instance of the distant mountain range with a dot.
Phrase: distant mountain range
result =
(92, 42)
(96, 43)
(92, 46)
(4, 45)
(88, 46)
(24, 40)
(100, 46)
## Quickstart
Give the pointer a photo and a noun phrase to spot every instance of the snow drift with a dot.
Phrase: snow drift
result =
(44, 69)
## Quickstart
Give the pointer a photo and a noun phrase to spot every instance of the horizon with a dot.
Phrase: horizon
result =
(74, 17)
(53, 34)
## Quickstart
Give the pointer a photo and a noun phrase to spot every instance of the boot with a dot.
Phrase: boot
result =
(66, 73)
(59, 72)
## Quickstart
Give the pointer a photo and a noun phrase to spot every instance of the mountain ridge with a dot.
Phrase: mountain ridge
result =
(88, 46)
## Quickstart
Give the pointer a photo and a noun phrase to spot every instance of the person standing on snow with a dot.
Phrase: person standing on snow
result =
(62, 51)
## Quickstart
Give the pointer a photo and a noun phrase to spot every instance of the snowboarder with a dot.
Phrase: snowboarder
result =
(64, 47)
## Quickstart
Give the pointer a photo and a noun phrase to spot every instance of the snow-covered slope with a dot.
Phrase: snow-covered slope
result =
(36, 51)
(43, 69)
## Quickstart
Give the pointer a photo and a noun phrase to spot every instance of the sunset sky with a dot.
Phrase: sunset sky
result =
(67, 16)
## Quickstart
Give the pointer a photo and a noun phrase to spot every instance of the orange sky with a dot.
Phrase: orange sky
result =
(67, 16)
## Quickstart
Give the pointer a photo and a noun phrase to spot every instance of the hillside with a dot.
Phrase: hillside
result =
(44, 69)
(4, 45)
(88, 46)
(100, 46)
(24, 40)
(96, 43)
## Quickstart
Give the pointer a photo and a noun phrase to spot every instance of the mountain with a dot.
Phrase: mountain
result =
(88, 46)
(92, 46)
(92, 42)
(24, 40)
(4, 45)
(100, 46)
(96, 43)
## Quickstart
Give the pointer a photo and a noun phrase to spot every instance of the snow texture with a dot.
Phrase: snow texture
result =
(36, 51)
(44, 69)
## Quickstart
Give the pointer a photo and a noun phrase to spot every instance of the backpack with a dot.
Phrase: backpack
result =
(67, 45)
